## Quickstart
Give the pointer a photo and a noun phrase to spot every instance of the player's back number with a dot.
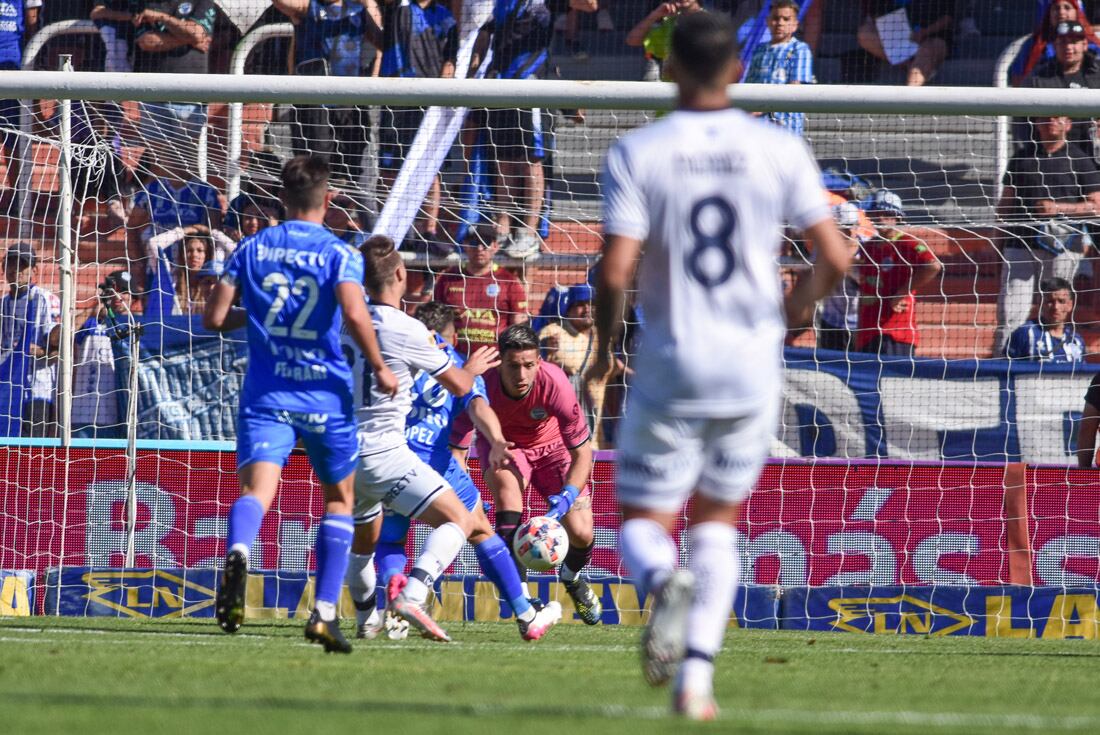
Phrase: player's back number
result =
(282, 287)
(713, 222)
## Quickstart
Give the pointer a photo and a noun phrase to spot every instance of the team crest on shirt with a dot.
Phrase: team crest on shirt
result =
(184, 8)
(493, 290)
(539, 413)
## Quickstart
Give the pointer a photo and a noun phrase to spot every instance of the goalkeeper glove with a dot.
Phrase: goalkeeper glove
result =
(562, 502)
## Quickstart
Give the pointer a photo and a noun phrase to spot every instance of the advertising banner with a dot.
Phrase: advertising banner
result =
(16, 592)
(993, 612)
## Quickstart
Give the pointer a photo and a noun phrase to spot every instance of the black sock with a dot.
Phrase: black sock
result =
(508, 522)
(576, 559)
(368, 604)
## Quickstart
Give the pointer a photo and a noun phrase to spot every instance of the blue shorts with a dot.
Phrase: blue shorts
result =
(268, 435)
(395, 527)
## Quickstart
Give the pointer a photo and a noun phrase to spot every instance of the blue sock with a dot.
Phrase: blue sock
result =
(496, 562)
(245, 517)
(390, 558)
(333, 544)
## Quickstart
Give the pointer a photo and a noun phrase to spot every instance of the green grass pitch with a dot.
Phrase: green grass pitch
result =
(65, 675)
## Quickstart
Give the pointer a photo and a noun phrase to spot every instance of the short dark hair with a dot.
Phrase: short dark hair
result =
(305, 182)
(517, 337)
(380, 262)
(703, 44)
(1050, 285)
(776, 4)
(435, 315)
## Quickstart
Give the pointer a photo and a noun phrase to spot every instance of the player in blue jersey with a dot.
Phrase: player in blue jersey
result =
(391, 474)
(294, 281)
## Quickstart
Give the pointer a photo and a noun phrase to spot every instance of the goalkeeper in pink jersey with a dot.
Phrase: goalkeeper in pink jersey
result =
(539, 414)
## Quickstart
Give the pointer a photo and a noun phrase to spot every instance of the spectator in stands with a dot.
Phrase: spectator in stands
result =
(97, 411)
(173, 37)
(840, 311)
(1073, 67)
(115, 21)
(172, 198)
(1088, 426)
(1051, 337)
(654, 34)
(785, 60)
(344, 219)
(570, 343)
(329, 41)
(249, 213)
(27, 373)
(419, 40)
(1046, 188)
(184, 257)
(931, 24)
(895, 265)
(486, 298)
(21, 21)
(520, 38)
(568, 20)
(1039, 50)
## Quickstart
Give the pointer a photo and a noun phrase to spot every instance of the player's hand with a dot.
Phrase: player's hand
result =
(386, 381)
(500, 455)
(483, 359)
(558, 505)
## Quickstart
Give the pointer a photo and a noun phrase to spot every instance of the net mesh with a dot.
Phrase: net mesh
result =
(157, 207)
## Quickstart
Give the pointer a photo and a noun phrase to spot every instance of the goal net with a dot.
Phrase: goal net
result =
(950, 470)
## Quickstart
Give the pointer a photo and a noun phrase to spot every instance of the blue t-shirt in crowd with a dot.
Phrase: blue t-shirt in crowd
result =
(169, 206)
(333, 33)
(287, 277)
(12, 27)
(418, 40)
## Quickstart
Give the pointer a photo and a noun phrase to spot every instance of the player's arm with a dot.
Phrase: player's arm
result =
(620, 256)
(1086, 436)
(353, 303)
(220, 315)
(488, 426)
(831, 263)
(460, 380)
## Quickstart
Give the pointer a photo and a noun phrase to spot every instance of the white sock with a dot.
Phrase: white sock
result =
(648, 552)
(440, 549)
(714, 562)
(326, 610)
(362, 580)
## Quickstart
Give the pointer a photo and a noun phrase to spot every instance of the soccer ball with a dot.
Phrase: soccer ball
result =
(541, 544)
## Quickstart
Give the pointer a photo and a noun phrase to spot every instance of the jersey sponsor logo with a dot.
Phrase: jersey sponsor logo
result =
(492, 290)
(539, 413)
(291, 256)
(184, 9)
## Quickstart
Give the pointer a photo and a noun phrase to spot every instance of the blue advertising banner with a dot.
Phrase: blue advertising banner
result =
(854, 406)
(994, 612)
(189, 380)
(171, 593)
(16, 592)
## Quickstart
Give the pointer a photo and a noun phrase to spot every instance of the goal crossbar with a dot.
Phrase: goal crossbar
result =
(540, 93)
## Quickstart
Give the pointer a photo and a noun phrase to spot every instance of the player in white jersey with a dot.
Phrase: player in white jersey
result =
(390, 473)
(704, 192)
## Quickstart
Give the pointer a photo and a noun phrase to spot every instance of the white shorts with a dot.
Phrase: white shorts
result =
(663, 459)
(397, 479)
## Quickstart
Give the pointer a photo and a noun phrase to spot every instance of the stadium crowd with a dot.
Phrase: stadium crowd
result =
(180, 229)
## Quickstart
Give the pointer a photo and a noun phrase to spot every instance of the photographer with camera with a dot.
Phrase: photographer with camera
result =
(98, 402)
